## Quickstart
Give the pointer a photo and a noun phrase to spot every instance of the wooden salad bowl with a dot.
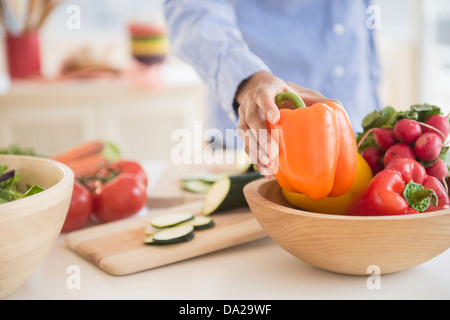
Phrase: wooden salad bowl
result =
(349, 244)
(30, 226)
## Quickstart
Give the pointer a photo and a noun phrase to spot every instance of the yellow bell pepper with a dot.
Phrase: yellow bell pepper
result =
(333, 205)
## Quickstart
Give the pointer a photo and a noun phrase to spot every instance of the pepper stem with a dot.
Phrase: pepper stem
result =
(420, 198)
(292, 97)
(419, 195)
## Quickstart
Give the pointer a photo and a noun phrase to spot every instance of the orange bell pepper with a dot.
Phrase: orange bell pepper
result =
(317, 148)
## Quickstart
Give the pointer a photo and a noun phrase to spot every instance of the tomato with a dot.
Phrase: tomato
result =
(134, 168)
(124, 166)
(119, 198)
(80, 209)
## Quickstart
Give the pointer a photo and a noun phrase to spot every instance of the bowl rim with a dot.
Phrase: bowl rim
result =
(252, 189)
(68, 178)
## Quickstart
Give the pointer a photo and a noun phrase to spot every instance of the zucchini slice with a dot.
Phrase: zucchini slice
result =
(196, 186)
(201, 222)
(148, 239)
(204, 176)
(243, 163)
(170, 220)
(227, 193)
(171, 235)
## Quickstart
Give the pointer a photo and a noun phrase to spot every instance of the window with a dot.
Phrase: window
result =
(443, 22)
(104, 16)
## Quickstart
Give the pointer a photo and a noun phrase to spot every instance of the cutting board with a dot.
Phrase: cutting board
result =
(168, 190)
(118, 248)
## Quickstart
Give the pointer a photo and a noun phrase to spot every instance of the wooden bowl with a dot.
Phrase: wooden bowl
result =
(29, 227)
(349, 245)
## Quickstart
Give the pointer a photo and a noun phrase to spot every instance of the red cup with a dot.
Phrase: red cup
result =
(23, 55)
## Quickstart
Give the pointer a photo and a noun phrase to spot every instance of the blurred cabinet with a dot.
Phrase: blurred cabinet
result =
(52, 117)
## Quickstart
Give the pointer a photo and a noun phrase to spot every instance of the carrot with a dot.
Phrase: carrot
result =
(87, 166)
(80, 151)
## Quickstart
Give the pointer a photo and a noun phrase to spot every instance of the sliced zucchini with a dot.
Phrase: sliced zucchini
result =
(196, 186)
(170, 220)
(212, 177)
(149, 230)
(148, 239)
(227, 193)
(243, 163)
(201, 222)
(171, 235)
(204, 176)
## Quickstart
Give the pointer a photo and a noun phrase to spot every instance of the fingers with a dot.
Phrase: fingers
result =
(258, 106)
(264, 99)
(255, 120)
(259, 144)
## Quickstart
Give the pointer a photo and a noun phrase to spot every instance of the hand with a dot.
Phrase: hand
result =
(256, 97)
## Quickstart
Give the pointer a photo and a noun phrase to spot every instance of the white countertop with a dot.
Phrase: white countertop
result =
(259, 270)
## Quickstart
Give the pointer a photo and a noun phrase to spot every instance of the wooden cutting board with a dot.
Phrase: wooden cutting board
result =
(168, 190)
(118, 247)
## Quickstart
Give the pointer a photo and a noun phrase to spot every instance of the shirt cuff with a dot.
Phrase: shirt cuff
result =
(234, 69)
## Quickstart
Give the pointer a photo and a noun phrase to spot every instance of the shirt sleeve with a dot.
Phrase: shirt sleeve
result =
(205, 34)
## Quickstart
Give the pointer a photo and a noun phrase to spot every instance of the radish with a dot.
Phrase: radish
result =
(438, 170)
(374, 158)
(436, 185)
(428, 146)
(384, 138)
(440, 123)
(407, 130)
(399, 150)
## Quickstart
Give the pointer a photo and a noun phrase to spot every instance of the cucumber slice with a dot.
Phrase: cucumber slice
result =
(196, 186)
(170, 220)
(172, 235)
(201, 223)
(227, 193)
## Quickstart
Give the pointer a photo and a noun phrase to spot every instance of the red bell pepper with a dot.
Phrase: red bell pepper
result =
(399, 190)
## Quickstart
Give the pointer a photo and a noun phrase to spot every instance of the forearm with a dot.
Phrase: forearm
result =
(204, 33)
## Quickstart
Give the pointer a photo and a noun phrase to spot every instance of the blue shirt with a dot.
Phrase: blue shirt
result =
(324, 45)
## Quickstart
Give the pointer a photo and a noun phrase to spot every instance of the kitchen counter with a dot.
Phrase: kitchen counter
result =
(258, 270)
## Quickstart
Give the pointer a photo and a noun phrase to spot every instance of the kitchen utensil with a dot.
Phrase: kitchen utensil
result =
(349, 245)
(118, 247)
(30, 226)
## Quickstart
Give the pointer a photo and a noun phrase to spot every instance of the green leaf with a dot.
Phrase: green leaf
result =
(3, 168)
(371, 118)
(33, 190)
(378, 119)
(111, 152)
(15, 149)
(445, 156)
(424, 111)
(388, 116)
(8, 187)
(5, 195)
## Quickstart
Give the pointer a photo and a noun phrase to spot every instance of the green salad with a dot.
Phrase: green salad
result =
(8, 186)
